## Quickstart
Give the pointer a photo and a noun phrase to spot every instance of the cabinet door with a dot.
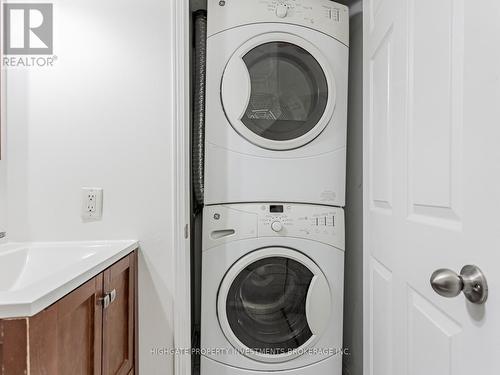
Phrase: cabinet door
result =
(118, 318)
(79, 330)
(66, 338)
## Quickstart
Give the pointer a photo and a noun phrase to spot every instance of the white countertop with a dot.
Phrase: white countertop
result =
(35, 275)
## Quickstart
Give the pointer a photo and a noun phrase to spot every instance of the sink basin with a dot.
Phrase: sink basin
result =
(20, 268)
(33, 276)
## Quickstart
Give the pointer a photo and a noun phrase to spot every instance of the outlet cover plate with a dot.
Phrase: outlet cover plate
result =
(92, 203)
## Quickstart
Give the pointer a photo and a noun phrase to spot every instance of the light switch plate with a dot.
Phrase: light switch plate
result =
(92, 203)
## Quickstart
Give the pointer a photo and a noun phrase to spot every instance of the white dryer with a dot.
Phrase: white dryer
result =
(272, 290)
(276, 106)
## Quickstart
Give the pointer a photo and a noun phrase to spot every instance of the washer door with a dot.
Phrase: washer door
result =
(277, 91)
(273, 304)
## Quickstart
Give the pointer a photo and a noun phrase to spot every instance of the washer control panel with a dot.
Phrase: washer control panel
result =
(323, 15)
(314, 222)
(252, 220)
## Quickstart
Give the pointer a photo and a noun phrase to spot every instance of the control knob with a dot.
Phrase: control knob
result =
(281, 10)
(276, 226)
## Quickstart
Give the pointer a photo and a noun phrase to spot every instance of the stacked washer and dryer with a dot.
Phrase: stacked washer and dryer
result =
(275, 160)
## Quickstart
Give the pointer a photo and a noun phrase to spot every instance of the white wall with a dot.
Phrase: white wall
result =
(3, 153)
(353, 312)
(3, 196)
(102, 117)
(3, 188)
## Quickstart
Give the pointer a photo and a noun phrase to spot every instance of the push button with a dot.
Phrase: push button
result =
(281, 10)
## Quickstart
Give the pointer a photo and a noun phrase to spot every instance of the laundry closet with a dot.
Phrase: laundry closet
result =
(272, 152)
(415, 238)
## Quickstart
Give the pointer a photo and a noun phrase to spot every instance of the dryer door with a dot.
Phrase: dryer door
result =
(273, 304)
(278, 91)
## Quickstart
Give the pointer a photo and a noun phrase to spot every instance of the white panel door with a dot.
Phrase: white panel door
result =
(432, 183)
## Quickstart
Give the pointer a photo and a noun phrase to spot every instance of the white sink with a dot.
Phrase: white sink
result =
(33, 276)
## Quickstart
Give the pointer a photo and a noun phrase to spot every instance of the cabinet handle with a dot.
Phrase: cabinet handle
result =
(112, 296)
(105, 301)
(108, 299)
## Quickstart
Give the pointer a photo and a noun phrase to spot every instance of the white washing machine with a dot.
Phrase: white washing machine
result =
(276, 101)
(272, 289)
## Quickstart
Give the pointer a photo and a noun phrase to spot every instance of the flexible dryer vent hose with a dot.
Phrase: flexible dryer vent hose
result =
(199, 82)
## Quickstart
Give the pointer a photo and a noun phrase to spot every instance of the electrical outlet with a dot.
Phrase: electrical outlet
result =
(92, 203)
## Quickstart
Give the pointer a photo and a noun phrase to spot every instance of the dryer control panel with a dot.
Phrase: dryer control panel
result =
(323, 15)
(252, 220)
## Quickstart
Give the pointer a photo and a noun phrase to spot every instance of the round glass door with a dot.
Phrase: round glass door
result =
(277, 94)
(264, 302)
(266, 305)
(289, 91)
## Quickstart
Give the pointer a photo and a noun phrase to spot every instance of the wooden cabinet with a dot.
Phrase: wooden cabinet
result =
(91, 331)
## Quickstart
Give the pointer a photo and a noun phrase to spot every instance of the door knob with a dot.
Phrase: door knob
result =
(471, 282)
